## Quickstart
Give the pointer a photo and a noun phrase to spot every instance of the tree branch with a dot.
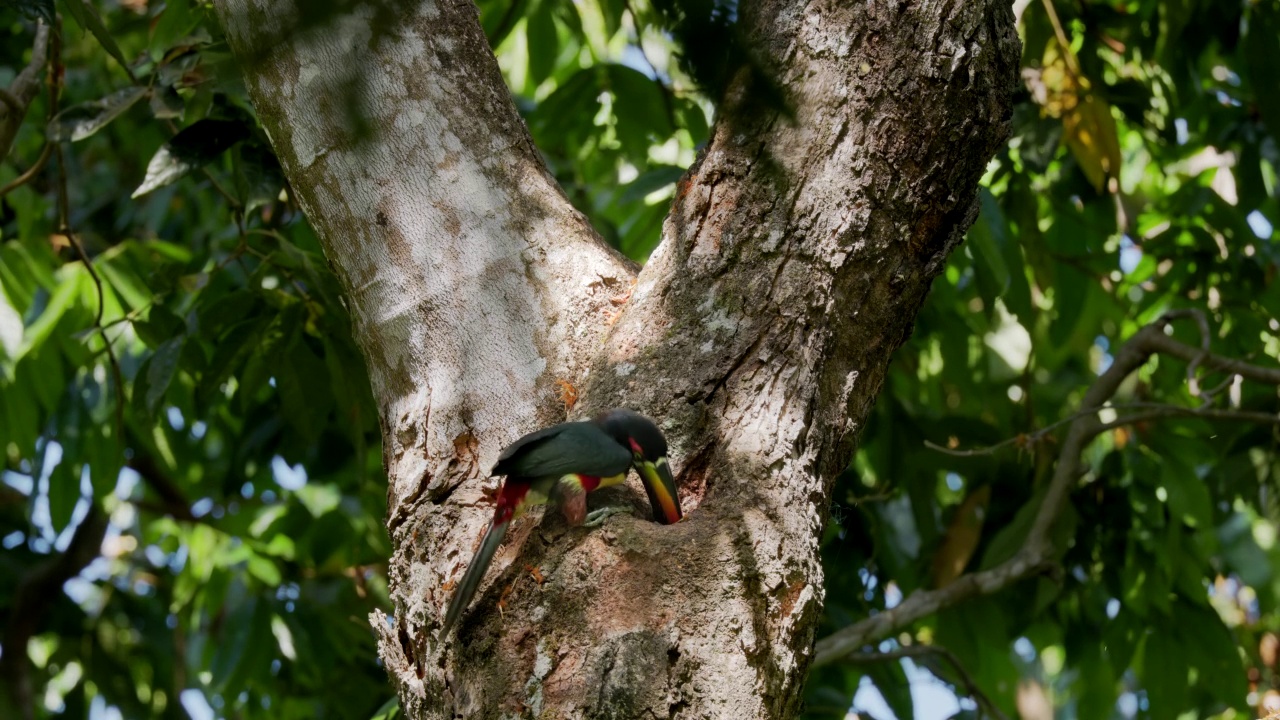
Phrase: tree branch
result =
(1161, 343)
(1155, 411)
(1036, 554)
(173, 501)
(1159, 412)
(21, 91)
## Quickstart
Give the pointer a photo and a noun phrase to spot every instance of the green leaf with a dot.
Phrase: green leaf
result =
(568, 112)
(1188, 498)
(1071, 290)
(692, 118)
(655, 178)
(350, 392)
(1096, 683)
(71, 281)
(265, 358)
(264, 569)
(642, 110)
(1211, 649)
(160, 372)
(19, 422)
(230, 352)
(297, 380)
(10, 329)
(611, 11)
(22, 275)
(191, 149)
(175, 22)
(41, 373)
(318, 499)
(891, 680)
(1241, 551)
(1009, 539)
(246, 630)
(987, 235)
(64, 493)
(543, 43)
(390, 710)
(327, 535)
(160, 326)
(1164, 673)
(131, 288)
(81, 121)
(258, 176)
(1262, 56)
(86, 16)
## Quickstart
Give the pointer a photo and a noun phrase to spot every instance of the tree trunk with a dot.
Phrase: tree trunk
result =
(797, 253)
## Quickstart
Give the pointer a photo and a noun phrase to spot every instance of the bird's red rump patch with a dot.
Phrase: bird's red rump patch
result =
(508, 501)
(588, 483)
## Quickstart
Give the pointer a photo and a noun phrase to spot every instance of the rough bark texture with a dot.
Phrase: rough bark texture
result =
(795, 258)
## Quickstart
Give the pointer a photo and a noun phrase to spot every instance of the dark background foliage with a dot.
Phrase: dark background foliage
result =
(176, 367)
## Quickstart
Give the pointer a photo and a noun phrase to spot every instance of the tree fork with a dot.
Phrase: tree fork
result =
(797, 253)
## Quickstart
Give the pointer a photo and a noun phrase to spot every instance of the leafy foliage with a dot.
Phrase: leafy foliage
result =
(197, 382)
(173, 354)
(1141, 177)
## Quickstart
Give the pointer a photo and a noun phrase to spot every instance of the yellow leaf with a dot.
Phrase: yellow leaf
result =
(962, 538)
(1063, 92)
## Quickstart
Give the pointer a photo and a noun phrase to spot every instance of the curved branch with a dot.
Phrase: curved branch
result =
(30, 172)
(24, 87)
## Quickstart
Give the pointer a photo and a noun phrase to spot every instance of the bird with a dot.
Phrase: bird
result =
(561, 464)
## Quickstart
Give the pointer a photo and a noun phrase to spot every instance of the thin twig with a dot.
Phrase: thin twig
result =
(1172, 411)
(1062, 37)
(1202, 323)
(917, 651)
(30, 172)
(64, 222)
(1157, 410)
(1165, 345)
(1159, 343)
(173, 501)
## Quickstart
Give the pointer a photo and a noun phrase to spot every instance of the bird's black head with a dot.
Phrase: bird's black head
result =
(648, 447)
(635, 432)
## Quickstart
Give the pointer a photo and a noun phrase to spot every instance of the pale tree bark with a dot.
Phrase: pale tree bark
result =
(797, 253)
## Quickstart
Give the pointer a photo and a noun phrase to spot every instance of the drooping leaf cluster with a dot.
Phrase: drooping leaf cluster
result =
(230, 438)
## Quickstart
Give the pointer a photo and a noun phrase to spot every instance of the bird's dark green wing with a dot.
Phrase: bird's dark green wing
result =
(577, 447)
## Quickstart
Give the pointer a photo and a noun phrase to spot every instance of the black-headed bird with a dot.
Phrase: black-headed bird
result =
(563, 463)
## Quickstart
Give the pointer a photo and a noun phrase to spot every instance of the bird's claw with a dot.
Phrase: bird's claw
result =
(596, 518)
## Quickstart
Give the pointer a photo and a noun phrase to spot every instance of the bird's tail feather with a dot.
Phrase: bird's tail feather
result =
(475, 573)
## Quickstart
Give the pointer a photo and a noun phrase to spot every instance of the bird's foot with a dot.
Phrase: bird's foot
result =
(596, 518)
